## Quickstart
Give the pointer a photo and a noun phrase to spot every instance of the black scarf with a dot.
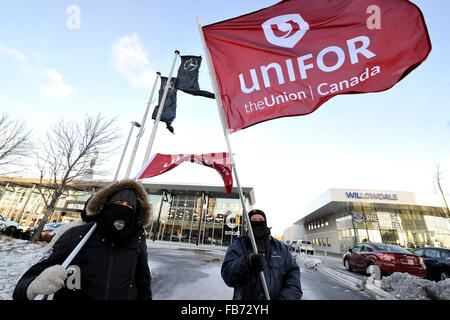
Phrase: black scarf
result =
(262, 236)
(117, 223)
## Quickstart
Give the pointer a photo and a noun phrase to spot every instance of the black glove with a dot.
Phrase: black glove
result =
(255, 262)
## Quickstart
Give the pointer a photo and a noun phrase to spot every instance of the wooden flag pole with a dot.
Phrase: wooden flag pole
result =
(233, 163)
(141, 130)
(161, 107)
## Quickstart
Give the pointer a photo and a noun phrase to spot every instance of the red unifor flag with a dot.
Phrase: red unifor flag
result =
(290, 58)
(161, 163)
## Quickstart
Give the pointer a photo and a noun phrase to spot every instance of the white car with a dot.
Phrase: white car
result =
(304, 246)
(5, 223)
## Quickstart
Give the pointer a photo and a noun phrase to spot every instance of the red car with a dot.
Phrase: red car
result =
(50, 230)
(388, 257)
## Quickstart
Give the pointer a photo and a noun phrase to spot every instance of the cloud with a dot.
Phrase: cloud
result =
(55, 86)
(16, 54)
(130, 58)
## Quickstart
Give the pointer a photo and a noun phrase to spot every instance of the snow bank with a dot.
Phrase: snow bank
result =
(408, 287)
(307, 261)
(16, 257)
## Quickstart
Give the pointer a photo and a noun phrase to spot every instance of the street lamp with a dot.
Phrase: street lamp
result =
(133, 124)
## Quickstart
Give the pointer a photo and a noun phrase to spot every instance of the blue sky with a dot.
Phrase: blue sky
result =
(382, 141)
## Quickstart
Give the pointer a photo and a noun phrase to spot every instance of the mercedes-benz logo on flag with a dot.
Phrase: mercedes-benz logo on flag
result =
(190, 65)
(286, 30)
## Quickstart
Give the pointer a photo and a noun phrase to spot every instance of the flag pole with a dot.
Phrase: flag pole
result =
(161, 107)
(141, 131)
(233, 163)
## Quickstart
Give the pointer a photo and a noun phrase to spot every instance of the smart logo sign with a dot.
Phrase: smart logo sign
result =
(290, 58)
(232, 222)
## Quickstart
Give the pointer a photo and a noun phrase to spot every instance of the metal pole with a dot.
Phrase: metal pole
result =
(141, 130)
(159, 215)
(224, 126)
(200, 220)
(123, 152)
(161, 107)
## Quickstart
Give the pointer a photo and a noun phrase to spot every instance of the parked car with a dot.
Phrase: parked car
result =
(437, 261)
(304, 246)
(292, 244)
(50, 229)
(7, 224)
(388, 257)
(287, 243)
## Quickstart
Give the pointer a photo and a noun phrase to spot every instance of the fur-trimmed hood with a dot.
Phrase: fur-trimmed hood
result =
(143, 210)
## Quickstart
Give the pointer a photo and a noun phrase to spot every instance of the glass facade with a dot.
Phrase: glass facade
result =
(409, 226)
(196, 217)
(26, 206)
(203, 217)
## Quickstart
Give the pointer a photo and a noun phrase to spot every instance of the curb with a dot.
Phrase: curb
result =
(348, 281)
(373, 290)
(376, 291)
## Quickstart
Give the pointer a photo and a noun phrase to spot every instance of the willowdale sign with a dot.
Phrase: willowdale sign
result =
(371, 196)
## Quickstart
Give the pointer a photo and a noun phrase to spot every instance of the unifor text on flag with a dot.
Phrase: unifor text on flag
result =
(170, 106)
(187, 77)
(161, 163)
(290, 58)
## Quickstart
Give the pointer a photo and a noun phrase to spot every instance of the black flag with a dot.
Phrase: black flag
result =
(187, 78)
(170, 106)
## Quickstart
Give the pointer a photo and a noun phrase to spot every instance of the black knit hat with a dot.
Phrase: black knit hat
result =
(256, 211)
(124, 195)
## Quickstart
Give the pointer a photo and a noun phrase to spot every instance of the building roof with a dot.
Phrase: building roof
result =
(334, 200)
(87, 185)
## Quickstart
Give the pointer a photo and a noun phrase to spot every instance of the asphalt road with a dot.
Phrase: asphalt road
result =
(317, 286)
(193, 274)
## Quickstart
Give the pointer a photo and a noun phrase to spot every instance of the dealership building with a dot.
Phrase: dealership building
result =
(341, 218)
(200, 214)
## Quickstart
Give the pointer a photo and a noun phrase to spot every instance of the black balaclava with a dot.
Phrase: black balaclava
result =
(118, 222)
(261, 232)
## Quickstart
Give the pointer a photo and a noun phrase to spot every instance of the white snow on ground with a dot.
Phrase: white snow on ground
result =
(16, 256)
(404, 286)
(307, 261)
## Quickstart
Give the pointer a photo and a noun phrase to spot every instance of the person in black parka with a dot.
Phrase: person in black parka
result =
(112, 265)
(241, 266)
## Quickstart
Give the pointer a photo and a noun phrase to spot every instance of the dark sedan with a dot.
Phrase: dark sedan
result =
(437, 261)
(388, 258)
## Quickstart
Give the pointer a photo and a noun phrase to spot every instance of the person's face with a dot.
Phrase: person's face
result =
(257, 217)
(124, 203)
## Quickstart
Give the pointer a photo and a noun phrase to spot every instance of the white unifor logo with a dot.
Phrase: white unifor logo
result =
(119, 224)
(190, 65)
(286, 30)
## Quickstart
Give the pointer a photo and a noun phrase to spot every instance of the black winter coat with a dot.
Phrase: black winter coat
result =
(281, 272)
(108, 271)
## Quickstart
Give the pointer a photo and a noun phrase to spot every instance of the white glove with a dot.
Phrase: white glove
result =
(49, 281)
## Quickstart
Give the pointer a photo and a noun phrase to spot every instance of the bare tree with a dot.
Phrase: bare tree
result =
(66, 155)
(15, 143)
(437, 180)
